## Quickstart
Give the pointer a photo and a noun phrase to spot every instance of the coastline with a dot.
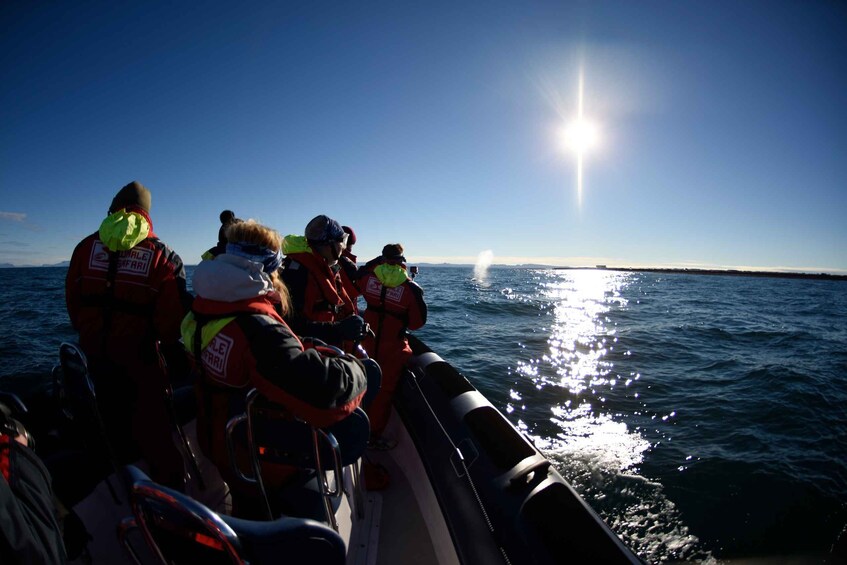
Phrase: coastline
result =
(665, 270)
(725, 272)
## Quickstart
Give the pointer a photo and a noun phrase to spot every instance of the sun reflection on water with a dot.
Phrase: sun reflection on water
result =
(585, 432)
(579, 340)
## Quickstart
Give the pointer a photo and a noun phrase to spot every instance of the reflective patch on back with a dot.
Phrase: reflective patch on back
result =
(136, 261)
(373, 287)
(395, 294)
(216, 355)
(99, 258)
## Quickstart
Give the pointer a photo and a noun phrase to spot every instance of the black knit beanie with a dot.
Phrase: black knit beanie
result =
(133, 194)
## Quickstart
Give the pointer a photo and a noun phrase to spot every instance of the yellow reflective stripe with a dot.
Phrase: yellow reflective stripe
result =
(210, 330)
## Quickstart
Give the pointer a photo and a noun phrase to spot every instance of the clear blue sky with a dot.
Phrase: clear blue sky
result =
(722, 126)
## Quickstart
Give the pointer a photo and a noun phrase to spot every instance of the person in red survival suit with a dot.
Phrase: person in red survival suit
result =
(243, 342)
(349, 272)
(395, 304)
(126, 296)
(321, 307)
(227, 217)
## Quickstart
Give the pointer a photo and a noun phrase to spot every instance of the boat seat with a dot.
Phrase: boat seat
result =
(179, 529)
(74, 385)
(274, 436)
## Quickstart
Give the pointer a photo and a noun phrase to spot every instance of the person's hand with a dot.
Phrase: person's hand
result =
(352, 328)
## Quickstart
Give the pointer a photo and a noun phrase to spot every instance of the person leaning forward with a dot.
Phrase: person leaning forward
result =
(349, 271)
(227, 218)
(126, 296)
(243, 342)
(395, 305)
(321, 307)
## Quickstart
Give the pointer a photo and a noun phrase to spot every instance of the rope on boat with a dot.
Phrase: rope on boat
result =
(465, 467)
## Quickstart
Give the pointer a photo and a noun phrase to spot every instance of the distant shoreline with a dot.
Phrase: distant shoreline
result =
(666, 270)
(726, 272)
(670, 270)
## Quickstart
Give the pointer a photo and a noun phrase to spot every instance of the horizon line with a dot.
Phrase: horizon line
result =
(559, 263)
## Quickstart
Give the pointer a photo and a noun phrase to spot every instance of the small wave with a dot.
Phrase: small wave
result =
(635, 507)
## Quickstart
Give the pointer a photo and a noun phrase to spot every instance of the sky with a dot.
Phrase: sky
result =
(721, 127)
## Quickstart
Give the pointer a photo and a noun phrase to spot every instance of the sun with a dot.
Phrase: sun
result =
(580, 135)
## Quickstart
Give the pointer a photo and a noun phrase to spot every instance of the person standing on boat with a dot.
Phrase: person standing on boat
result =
(126, 296)
(227, 218)
(349, 271)
(395, 305)
(243, 342)
(321, 307)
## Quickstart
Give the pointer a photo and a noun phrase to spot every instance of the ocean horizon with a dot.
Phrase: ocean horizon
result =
(799, 273)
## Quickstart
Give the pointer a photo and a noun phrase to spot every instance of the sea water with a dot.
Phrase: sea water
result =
(703, 417)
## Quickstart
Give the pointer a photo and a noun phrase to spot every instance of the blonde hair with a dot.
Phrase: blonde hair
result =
(251, 231)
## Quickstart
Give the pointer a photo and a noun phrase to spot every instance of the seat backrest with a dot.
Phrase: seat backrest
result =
(79, 399)
(79, 396)
(177, 528)
(281, 438)
(181, 530)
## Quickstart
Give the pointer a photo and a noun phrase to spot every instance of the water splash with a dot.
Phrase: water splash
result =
(483, 261)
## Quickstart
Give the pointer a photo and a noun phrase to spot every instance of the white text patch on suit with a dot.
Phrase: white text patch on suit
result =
(374, 288)
(132, 262)
(216, 355)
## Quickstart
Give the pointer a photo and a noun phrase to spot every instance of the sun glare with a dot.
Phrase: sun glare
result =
(580, 136)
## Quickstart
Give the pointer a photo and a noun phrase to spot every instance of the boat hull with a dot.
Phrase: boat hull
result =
(501, 498)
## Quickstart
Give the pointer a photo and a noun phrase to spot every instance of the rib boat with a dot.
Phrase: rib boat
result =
(466, 487)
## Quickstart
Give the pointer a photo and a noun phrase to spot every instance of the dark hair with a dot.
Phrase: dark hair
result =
(393, 251)
(227, 219)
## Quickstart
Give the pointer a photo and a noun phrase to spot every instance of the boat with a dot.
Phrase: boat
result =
(466, 488)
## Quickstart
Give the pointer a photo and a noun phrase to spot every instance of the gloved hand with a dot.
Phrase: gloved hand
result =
(352, 328)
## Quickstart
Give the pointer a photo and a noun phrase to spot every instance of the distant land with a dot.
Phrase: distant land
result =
(724, 272)
(10, 266)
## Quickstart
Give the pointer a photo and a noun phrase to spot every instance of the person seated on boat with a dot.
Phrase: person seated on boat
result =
(349, 271)
(227, 218)
(395, 305)
(29, 521)
(126, 296)
(321, 307)
(244, 343)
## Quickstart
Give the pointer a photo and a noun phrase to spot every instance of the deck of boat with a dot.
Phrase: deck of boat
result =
(401, 524)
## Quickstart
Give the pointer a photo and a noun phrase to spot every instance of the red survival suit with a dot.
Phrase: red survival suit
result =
(349, 274)
(126, 304)
(317, 293)
(245, 344)
(395, 304)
